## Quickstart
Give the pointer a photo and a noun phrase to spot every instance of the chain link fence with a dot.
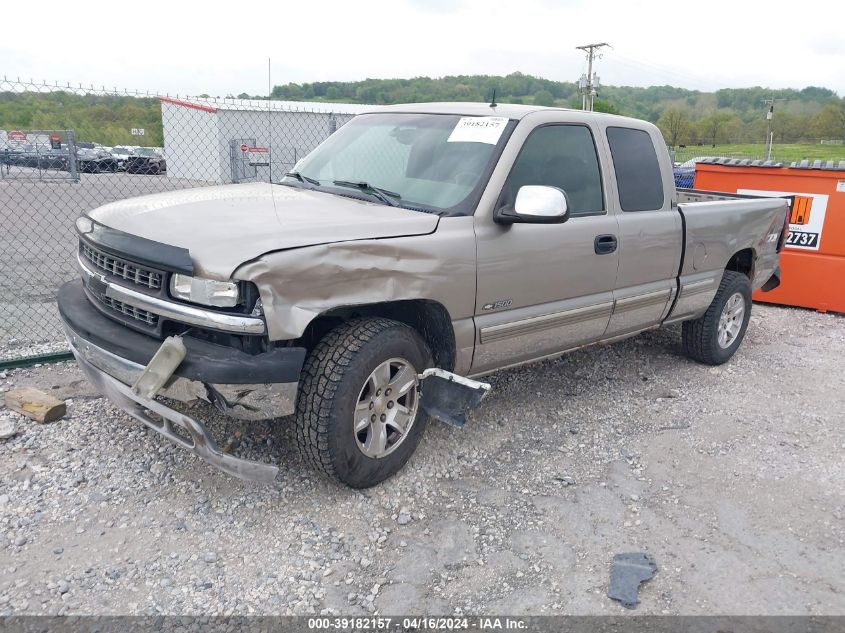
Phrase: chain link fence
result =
(65, 150)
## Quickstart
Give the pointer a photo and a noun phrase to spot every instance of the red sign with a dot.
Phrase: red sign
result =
(244, 147)
(55, 137)
(17, 135)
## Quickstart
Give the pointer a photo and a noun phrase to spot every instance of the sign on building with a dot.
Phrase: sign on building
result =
(137, 131)
(258, 156)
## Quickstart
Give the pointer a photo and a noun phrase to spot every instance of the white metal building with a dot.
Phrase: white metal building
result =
(239, 140)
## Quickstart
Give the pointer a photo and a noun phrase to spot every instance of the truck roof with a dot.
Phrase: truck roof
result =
(509, 110)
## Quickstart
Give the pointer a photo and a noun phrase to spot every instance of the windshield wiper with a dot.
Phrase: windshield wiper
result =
(301, 178)
(387, 197)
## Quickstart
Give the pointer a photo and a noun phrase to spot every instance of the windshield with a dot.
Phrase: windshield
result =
(146, 152)
(432, 161)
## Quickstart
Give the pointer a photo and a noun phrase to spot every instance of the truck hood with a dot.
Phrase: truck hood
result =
(225, 226)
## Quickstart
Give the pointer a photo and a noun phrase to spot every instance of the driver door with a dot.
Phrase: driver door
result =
(546, 288)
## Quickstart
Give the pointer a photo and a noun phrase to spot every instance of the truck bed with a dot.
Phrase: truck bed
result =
(700, 195)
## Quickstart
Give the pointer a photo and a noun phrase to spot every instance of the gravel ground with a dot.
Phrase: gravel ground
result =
(731, 477)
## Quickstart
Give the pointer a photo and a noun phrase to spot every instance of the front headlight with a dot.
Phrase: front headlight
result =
(84, 225)
(221, 294)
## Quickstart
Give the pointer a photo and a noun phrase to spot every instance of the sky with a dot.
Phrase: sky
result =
(188, 48)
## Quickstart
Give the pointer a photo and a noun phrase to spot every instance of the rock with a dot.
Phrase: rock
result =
(7, 429)
(64, 587)
(35, 404)
(566, 480)
(58, 550)
(20, 541)
(209, 557)
(404, 517)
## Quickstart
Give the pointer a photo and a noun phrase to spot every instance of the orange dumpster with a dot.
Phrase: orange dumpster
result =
(813, 260)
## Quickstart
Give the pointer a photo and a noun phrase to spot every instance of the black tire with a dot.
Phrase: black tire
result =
(332, 378)
(701, 337)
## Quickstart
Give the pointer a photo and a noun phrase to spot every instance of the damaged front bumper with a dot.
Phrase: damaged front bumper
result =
(244, 386)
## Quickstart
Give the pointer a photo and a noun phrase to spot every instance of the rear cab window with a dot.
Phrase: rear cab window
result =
(637, 169)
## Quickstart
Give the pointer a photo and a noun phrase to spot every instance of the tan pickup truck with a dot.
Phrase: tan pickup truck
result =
(418, 248)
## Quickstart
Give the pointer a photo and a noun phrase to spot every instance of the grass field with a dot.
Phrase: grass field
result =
(783, 153)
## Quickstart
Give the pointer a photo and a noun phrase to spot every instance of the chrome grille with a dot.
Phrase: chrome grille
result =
(136, 313)
(121, 268)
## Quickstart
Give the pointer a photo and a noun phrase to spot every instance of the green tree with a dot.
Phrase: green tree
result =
(674, 123)
(604, 106)
(829, 123)
(544, 98)
(711, 128)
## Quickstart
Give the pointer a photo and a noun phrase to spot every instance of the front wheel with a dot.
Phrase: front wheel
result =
(358, 413)
(714, 337)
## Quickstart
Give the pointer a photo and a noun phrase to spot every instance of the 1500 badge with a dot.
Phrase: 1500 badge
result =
(497, 305)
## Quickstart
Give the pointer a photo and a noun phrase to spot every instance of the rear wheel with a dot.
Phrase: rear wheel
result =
(358, 413)
(713, 338)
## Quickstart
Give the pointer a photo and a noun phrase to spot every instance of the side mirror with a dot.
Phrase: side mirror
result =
(535, 204)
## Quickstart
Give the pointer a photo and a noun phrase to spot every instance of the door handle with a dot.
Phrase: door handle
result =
(605, 244)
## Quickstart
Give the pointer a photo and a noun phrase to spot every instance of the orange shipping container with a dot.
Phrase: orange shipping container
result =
(813, 261)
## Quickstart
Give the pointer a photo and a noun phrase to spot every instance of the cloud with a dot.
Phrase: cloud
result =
(437, 6)
(729, 44)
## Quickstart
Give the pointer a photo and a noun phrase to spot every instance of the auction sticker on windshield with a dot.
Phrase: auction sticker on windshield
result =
(478, 129)
(805, 229)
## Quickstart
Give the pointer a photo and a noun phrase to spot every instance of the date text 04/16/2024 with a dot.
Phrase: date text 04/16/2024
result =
(378, 623)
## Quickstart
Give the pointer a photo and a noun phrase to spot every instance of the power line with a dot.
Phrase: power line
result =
(668, 72)
(589, 83)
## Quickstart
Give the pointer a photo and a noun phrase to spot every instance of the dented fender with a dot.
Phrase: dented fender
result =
(298, 285)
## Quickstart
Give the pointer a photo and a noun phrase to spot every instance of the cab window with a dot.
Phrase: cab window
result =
(562, 156)
(637, 170)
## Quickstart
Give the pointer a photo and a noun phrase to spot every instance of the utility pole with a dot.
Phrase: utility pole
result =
(589, 83)
(770, 135)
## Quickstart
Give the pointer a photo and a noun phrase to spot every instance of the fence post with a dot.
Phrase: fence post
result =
(71, 156)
